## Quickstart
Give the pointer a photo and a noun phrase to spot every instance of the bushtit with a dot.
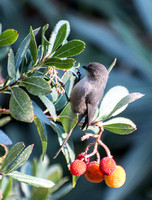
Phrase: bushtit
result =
(87, 94)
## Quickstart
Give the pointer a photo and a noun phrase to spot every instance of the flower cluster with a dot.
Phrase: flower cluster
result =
(107, 169)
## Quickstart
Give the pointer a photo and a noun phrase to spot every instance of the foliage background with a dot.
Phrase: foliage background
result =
(111, 28)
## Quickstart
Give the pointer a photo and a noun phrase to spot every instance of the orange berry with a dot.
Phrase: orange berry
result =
(107, 165)
(93, 173)
(78, 167)
(117, 179)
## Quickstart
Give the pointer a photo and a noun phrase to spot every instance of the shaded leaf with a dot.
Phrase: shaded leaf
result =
(42, 133)
(11, 65)
(60, 64)
(44, 40)
(33, 46)
(36, 85)
(20, 105)
(120, 125)
(49, 105)
(68, 149)
(4, 139)
(8, 188)
(21, 159)
(8, 37)
(68, 118)
(70, 49)
(31, 180)
(12, 154)
(23, 48)
(39, 113)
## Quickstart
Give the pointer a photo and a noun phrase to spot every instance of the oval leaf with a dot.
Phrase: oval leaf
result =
(31, 180)
(68, 118)
(11, 65)
(70, 49)
(20, 105)
(12, 154)
(120, 125)
(125, 101)
(8, 37)
(49, 106)
(36, 85)
(60, 64)
(59, 35)
(19, 161)
(110, 100)
(42, 133)
(33, 46)
(23, 48)
(4, 139)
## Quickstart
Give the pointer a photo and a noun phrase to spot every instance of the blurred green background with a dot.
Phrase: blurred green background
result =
(110, 28)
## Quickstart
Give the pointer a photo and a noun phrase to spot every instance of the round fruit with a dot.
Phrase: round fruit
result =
(93, 173)
(107, 165)
(78, 167)
(117, 179)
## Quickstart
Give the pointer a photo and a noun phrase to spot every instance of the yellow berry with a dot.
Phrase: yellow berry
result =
(117, 179)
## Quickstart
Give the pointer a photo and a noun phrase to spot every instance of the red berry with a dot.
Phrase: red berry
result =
(107, 165)
(93, 173)
(82, 157)
(78, 167)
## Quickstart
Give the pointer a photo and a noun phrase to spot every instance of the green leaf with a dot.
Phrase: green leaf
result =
(44, 40)
(59, 35)
(60, 64)
(8, 188)
(68, 118)
(74, 180)
(68, 149)
(4, 120)
(110, 100)
(42, 133)
(49, 106)
(11, 65)
(12, 154)
(36, 85)
(125, 101)
(20, 105)
(31, 180)
(33, 46)
(23, 48)
(21, 159)
(70, 49)
(119, 125)
(8, 37)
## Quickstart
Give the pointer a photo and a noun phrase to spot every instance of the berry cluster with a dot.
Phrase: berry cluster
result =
(106, 169)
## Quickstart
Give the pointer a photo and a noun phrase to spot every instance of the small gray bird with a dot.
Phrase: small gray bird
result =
(87, 94)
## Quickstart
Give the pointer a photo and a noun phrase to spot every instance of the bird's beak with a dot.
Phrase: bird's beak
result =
(85, 67)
